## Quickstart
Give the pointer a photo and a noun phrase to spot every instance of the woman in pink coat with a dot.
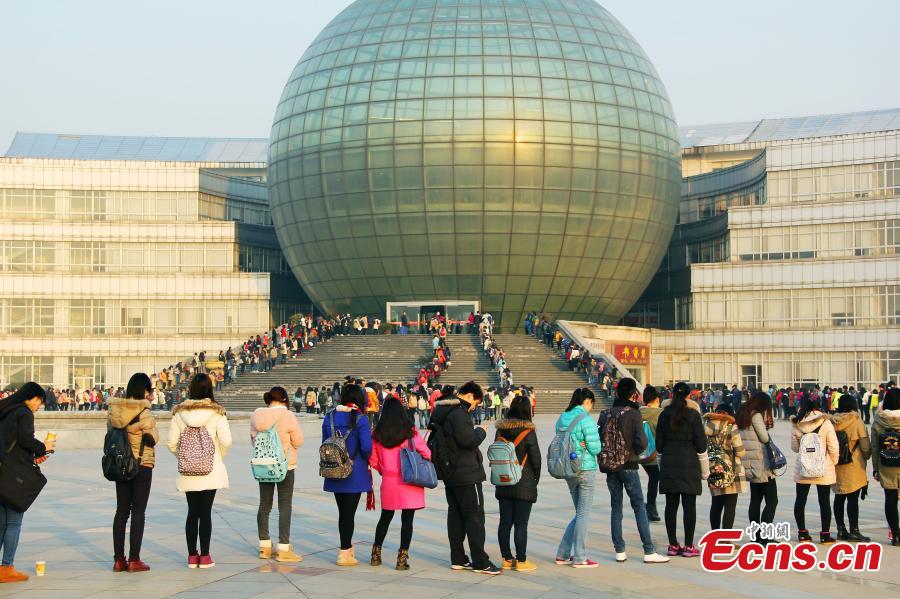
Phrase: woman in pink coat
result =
(393, 432)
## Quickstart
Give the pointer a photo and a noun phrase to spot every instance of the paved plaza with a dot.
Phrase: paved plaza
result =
(70, 528)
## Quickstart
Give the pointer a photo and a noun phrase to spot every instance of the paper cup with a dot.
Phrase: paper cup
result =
(40, 568)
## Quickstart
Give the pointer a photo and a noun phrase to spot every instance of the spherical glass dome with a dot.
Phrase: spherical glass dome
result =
(518, 152)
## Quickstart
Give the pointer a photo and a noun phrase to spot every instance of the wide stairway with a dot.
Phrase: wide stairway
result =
(534, 364)
(468, 363)
(382, 358)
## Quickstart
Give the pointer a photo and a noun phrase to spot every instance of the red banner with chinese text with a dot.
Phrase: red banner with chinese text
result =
(632, 353)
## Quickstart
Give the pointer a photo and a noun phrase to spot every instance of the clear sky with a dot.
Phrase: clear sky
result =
(216, 67)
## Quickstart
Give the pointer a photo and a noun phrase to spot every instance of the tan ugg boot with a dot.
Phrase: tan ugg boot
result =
(265, 549)
(285, 554)
(345, 558)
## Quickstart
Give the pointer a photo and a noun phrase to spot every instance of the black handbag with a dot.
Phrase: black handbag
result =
(21, 480)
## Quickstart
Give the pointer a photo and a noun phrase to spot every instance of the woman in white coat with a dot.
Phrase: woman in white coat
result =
(199, 437)
(810, 419)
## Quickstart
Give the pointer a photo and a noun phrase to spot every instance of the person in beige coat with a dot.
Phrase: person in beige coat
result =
(887, 420)
(754, 419)
(201, 411)
(810, 419)
(133, 414)
(851, 478)
(722, 431)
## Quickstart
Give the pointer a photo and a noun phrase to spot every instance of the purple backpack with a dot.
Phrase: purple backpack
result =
(196, 451)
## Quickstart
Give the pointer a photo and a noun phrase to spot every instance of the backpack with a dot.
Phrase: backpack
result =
(615, 449)
(811, 455)
(268, 464)
(196, 451)
(845, 454)
(335, 461)
(721, 467)
(506, 471)
(648, 456)
(118, 461)
(443, 450)
(889, 449)
(563, 461)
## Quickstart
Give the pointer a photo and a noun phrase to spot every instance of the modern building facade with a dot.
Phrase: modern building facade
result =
(125, 254)
(523, 154)
(784, 267)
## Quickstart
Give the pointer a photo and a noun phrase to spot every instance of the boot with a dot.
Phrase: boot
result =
(376, 556)
(855, 535)
(842, 535)
(10, 574)
(652, 514)
(120, 564)
(402, 560)
(345, 558)
(825, 538)
(136, 565)
(286, 555)
(265, 549)
(895, 538)
(804, 536)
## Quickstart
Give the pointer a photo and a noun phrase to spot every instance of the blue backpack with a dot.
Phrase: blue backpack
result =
(268, 462)
(648, 456)
(506, 471)
(560, 460)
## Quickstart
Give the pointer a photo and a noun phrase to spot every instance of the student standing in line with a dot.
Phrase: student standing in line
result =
(134, 415)
(885, 458)
(650, 412)
(811, 420)
(852, 480)
(290, 436)
(349, 419)
(517, 500)
(722, 431)
(753, 421)
(200, 437)
(679, 440)
(396, 430)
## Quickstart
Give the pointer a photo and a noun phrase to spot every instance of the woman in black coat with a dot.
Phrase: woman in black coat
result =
(679, 438)
(516, 500)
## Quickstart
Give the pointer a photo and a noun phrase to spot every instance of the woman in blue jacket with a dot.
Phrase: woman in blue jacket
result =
(351, 421)
(587, 445)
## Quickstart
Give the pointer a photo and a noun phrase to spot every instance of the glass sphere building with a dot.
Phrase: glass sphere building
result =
(521, 153)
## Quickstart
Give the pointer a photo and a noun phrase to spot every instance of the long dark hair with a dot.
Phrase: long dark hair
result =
(138, 386)
(353, 395)
(201, 387)
(393, 426)
(678, 407)
(759, 402)
(806, 406)
(26, 392)
(847, 403)
(578, 398)
(519, 408)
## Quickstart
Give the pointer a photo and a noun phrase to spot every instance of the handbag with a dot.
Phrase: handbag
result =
(704, 465)
(775, 458)
(21, 480)
(416, 470)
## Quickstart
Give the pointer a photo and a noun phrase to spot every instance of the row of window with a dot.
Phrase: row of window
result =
(872, 180)
(77, 204)
(228, 209)
(864, 238)
(693, 209)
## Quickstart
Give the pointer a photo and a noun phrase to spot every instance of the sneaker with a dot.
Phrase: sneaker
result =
(588, 563)
(561, 561)
(690, 551)
(120, 564)
(136, 565)
(509, 564)
(825, 538)
(459, 567)
(206, 561)
(674, 550)
(525, 566)
(655, 558)
(193, 561)
(490, 569)
(621, 556)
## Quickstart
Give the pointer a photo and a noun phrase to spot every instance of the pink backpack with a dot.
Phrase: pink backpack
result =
(196, 451)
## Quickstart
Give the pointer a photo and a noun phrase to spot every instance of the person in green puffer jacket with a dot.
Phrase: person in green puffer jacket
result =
(586, 439)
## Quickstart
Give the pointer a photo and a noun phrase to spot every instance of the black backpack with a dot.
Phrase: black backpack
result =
(845, 454)
(889, 449)
(118, 460)
(443, 450)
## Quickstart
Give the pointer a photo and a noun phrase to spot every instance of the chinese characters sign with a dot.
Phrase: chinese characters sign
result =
(632, 353)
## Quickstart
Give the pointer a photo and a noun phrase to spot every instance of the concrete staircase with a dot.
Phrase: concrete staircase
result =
(534, 364)
(468, 363)
(382, 358)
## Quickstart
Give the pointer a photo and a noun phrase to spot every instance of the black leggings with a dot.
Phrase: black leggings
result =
(514, 513)
(852, 500)
(199, 520)
(721, 513)
(824, 492)
(406, 527)
(689, 502)
(890, 510)
(759, 492)
(652, 471)
(131, 499)
(347, 504)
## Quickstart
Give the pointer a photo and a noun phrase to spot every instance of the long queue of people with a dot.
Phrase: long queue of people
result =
(679, 448)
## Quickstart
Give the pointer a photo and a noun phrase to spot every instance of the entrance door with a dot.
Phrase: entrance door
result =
(751, 376)
(427, 312)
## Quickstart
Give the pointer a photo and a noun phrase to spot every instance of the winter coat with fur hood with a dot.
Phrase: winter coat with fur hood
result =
(122, 411)
(812, 421)
(721, 430)
(210, 415)
(885, 420)
(526, 489)
(852, 476)
(754, 439)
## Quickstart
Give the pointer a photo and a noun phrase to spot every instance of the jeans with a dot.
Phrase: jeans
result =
(402, 329)
(199, 520)
(10, 527)
(631, 482)
(514, 513)
(424, 417)
(573, 540)
(131, 499)
(285, 499)
(465, 519)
